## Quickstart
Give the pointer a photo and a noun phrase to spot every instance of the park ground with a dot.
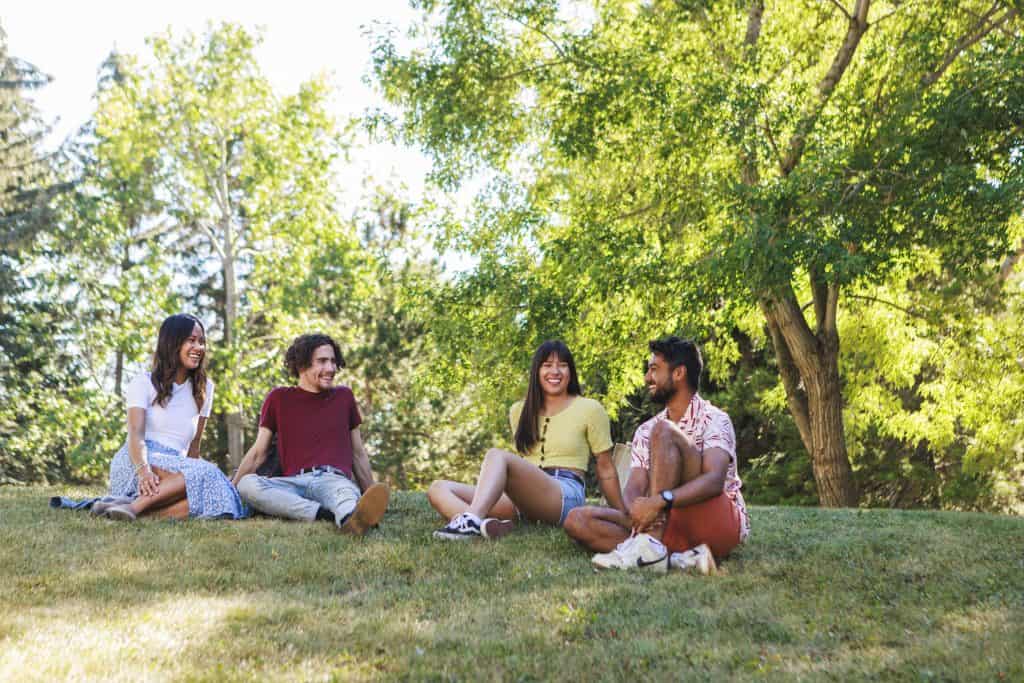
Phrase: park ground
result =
(815, 594)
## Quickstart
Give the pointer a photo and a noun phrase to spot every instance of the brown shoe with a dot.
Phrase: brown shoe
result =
(369, 511)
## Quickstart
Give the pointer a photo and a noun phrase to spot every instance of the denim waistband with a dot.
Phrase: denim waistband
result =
(559, 472)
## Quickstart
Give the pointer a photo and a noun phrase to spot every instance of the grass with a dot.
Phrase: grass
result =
(815, 595)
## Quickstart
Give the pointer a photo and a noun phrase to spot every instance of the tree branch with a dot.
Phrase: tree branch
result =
(819, 296)
(705, 21)
(858, 27)
(750, 172)
(984, 26)
(772, 143)
(831, 309)
(1010, 262)
(795, 395)
(800, 340)
(890, 304)
(843, 10)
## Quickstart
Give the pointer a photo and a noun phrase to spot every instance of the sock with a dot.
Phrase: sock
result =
(324, 514)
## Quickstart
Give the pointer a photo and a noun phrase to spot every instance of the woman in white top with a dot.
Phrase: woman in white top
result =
(159, 470)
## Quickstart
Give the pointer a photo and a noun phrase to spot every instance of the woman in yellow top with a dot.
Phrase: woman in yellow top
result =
(556, 431)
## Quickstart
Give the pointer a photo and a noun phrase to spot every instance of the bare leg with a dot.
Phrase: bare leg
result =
(172, 490)
(451, 498)
(177, 510)
(672, 463)
(597, 529)
(531, 489)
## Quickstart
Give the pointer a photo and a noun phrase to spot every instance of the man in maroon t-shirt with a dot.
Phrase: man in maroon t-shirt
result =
(325, 472)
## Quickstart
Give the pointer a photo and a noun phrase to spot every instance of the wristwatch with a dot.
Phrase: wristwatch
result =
(669, 498)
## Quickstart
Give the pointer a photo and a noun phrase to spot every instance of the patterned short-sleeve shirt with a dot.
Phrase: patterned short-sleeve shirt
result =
(709, 427)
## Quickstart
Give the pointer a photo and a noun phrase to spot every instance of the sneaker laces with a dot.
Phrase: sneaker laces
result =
(625, 545)
(463, 522)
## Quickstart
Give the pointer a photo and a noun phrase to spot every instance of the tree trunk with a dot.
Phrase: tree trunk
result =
(126, 265)
(809, 365)
(832, 472)
(234, 420)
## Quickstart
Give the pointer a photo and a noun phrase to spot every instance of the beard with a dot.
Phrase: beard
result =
(663, 393)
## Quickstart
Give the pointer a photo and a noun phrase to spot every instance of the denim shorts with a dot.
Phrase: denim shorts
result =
(572, 493)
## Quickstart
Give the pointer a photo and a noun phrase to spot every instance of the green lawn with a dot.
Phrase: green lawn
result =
(815, 595)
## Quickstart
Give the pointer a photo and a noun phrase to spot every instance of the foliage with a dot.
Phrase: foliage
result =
(815, 594)
(663, 167)
(35, 367)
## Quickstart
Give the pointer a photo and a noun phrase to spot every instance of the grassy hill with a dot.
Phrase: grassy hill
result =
(815, 595)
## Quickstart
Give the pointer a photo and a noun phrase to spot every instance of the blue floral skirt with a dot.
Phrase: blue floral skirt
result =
(209, 492)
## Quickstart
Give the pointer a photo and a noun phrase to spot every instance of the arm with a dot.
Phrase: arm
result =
(255, 457)
(361, 462)
(193, 448)
(149, 482)
(608, 480)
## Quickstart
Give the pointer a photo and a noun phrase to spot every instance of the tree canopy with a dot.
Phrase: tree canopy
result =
(670, 166)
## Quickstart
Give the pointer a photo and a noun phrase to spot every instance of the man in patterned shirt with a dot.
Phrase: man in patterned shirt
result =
(682, 499)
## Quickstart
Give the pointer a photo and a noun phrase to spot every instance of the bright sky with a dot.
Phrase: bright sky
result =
(69, 41)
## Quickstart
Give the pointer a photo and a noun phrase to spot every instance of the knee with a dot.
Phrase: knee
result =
(495, 455)
(248, 485)
(661, 433)
(576, 523)
(437, 489)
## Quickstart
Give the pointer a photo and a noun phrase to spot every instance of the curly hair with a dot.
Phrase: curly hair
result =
(300, 354)
(174, 331)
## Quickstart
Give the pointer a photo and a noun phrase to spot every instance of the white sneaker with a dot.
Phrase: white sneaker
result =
(642, 551)
(697, 560)
(462, 528)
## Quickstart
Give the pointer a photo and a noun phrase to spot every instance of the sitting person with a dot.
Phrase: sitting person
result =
(556, 431)
(158, 470)
(324, 466)
(683, 502)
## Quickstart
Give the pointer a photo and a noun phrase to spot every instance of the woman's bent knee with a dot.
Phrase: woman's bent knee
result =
(437, 488)
(495, 454)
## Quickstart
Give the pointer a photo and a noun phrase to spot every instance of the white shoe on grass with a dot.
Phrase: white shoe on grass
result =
(697, 560)
(642, 551)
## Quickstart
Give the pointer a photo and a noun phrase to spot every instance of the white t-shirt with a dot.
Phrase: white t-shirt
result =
(175, 424)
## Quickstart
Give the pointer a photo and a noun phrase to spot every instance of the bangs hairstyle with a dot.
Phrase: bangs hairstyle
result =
(526, 431)
(174, 332)
(300, 354)
(678, 351)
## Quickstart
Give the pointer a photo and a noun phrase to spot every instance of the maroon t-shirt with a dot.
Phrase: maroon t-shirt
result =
(312, 429)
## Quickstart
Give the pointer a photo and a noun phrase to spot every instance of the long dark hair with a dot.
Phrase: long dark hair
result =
(526, 431)
(167, 358)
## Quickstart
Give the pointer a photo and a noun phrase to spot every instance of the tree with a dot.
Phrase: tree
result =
(45, 396)
(728, 157)
(232, 169)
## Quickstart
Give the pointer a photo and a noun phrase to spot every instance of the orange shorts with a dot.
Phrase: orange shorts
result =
(715, 521)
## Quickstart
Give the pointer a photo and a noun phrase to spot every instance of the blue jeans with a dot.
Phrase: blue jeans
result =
(300, 496)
